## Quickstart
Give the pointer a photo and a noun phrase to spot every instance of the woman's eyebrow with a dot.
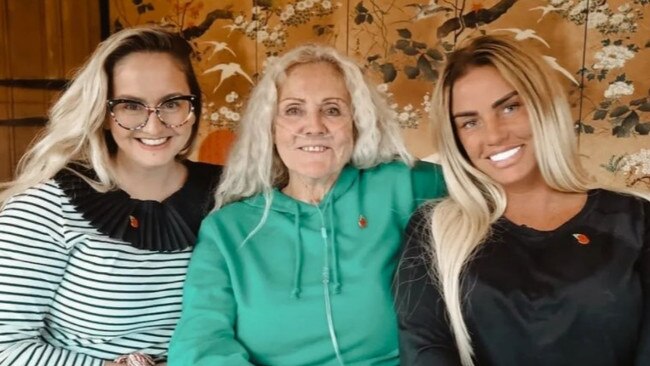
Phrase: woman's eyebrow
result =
(504, 99)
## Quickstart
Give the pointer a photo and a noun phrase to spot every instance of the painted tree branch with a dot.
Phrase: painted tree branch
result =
(197, 31)
(474, 18)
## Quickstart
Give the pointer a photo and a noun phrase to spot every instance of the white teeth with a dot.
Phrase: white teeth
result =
(313, 148)
(154, 142)
(505, 154)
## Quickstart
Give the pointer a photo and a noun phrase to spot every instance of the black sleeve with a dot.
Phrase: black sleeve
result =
(643, 352)
(425, 335)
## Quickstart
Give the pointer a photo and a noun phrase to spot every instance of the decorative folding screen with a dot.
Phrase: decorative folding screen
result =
(602, 49)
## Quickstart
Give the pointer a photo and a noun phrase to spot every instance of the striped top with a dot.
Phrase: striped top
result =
(70, 295)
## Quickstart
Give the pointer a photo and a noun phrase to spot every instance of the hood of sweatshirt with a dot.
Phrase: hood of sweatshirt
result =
(325, 212)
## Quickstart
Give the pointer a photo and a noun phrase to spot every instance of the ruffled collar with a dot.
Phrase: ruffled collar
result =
(170, 225)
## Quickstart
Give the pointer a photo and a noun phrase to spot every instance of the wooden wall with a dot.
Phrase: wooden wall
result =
(40, 40)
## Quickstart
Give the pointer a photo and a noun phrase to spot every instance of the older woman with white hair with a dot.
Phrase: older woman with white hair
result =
(296, 266)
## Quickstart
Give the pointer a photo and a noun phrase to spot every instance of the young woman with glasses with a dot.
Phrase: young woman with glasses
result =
(97, 228)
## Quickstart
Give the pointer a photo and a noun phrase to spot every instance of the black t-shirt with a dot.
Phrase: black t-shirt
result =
(577, 295)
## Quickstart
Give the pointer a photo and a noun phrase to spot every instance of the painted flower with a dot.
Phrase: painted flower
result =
(403, 117)
(251, 27)
(235, 117)
(617, 19)
(637, 164)
(326, 4)
(597, 19)
(284, 16)
(262, 35)
(578, 9)
(268, 61)
(426, 102)
(301, 6)
(224, 110)
(624, 8)
(619, 89)
(214, 117)
(612, 57)
(231, 97)
(239, 19)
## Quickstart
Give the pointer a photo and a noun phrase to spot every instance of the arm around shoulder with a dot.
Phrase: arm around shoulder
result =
(428, 180)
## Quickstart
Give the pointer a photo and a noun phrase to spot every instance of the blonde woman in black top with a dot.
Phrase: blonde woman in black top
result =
(527, 262)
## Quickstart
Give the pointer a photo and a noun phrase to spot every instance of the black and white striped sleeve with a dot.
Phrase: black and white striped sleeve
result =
(33, 259)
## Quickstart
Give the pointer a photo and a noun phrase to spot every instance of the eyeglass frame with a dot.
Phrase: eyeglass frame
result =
(115, 101)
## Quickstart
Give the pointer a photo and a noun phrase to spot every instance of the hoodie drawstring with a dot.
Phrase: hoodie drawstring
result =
(295, 293)
(335, 256)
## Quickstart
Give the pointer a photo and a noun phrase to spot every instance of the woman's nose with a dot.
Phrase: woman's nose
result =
(154, 124)
(314, 124)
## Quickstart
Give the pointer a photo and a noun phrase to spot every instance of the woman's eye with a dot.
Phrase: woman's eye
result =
(468, 124)
(332, 111)
(172, 104)
(511, 107)
(131, 106)
(292, 111)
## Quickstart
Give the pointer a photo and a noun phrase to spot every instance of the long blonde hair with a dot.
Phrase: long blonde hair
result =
(254, 166)
(461, 222)
(75, 131)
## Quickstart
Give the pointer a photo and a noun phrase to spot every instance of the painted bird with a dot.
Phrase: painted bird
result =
(521, 34)
(545, 10)
(218, 47)
(555, 65)
(228, 70)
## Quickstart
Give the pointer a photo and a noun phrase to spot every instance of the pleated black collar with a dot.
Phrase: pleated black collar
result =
(167, 226)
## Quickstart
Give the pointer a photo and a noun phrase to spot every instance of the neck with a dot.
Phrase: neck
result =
(156, 183)
(307, 190)
(542, 207)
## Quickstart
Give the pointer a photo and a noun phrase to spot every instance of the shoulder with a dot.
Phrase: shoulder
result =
(429, 174)
(46, 194)
(424, 180)
(398, 168)
(38, 210)
(241, 210)
(612, 201)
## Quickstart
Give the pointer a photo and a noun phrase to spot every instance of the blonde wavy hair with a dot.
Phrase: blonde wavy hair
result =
(253, 164)
(461, 223)
(75, 132)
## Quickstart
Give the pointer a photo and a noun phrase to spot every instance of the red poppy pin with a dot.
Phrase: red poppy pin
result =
(363, 222)
(133, 221)
(582, 239)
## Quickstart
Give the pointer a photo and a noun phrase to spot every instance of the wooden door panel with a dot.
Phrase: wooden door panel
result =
(39, 39)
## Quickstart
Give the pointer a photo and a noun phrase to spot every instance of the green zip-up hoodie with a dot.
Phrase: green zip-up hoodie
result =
(309, 280)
